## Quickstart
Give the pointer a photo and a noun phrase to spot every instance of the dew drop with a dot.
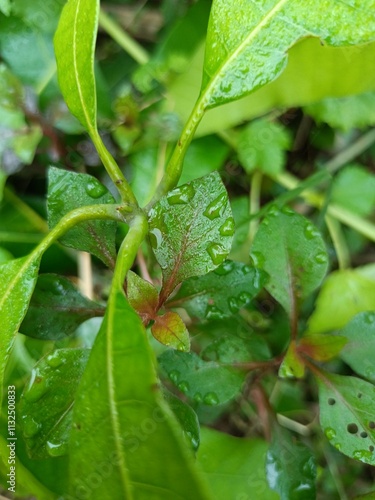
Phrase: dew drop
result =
(94, 189)
(55, 359)
(181, 195)
(287, 210)
(362, 454)
(257, 259)
(183, 386)
(310, 231)
(56, 449)
(198, 397)
(30, 427)
(211, 399)
(225, 268)
(338, 446)
(331, 401)
(36, 389)
(213, 312)
(247, 269)
(233, 305)
(321, 258)
(227, 229)
(217, 253)
(216, 208)
(352, 428)
(174, 375)
(156, 238)
(193, 440)
(330, 433)
(244, 297)
(273, 211)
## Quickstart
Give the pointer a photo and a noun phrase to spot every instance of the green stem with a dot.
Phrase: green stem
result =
(256, 186)
(115, 31)
(339, 243)
(174, 168)
(113, 170)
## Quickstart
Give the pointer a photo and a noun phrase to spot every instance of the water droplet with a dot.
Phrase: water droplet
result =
(287, 210)
(352, 428)
(30, 426)
(183, 386)
(310, 231)
(369, 317)
(37, 387)
(257, 259)
(244, 297)
(198, 397)
(95, 189)
(217, 253)
(273, 211)
(56, 449)
(213, 312)
(156, 237)
(225, 87)
(321, 258)
(362, 455)
(330, 433)
(225, 268)
(338, 446)
(193, 440)
(211, 399)
(181, 195)
(227, 229)
(174, 375)
(216, 208)
(233, 305)
(55, 359)
(331, 401)
(247, 269)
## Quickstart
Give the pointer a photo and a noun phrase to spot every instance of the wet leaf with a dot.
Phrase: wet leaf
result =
(359, 352)
(170, 330)
(204, 382)
(291, 250)
(354, 189)
(290, 467)
(46, 405)
(191, 230)
(69, 190)
(57, 309)
(247, 42)
(221, 293)
(292, 365)
(142, 296)
(344, 294)
(121, 421)
(347, 415)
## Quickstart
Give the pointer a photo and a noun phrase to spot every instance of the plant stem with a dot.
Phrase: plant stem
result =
(339, 243)
(354, 150)
(115, 31)
(254, 203)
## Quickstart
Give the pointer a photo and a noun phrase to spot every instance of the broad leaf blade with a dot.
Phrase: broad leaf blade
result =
(221, 293)
(74, 48)
(170, 330)
(291, 250)
(69, 190)
(121, 422)
(347, 410)
(46, 406)
(18, 278)
(247, 42)
(191, 230)
(142, 296)
(56, 309)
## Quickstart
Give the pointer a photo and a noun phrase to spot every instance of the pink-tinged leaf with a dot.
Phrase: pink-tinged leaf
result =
(170, 330)
(322, 347)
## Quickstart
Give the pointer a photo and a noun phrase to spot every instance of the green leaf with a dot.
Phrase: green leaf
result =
(344, 294)
(290, 467)
(234, 467)
(46, 405)
(347, 410)
(340, 74)
(204, 382)
(345, 113)
(170, 330)
(322, 347)
(221, 293)
(57, 309)
(186, 417)
(18, 278)
(121, 422)
(262, 145)
(5, 7)
(359, 352)
(142, 296)
(191, 230)
(291, 250)
(354, 189)
(247, 42)
(69, 190)
(292, 365)
(74, 44)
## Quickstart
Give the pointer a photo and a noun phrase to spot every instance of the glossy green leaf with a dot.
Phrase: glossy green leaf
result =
(354, 189)
(69, 190)
(340, 74)
(46, 405)
(57, 309)
(344, 294)
(186, 417)
(247, 42)
(191, 230)
(292, 365)
(204, 382)
(170, 330)
(290, 467)
(18, 278)
(234, 467)
(359, 352)
(357, 111)
(142, 296)
(262, 145)
(291, 250)
(121, 422)
(322, 347)
(221, 293)
(74, 48)
(347, 409)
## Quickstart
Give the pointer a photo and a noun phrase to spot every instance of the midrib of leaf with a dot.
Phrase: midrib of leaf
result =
(112, 403)
(251, 36)
(76, 73)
